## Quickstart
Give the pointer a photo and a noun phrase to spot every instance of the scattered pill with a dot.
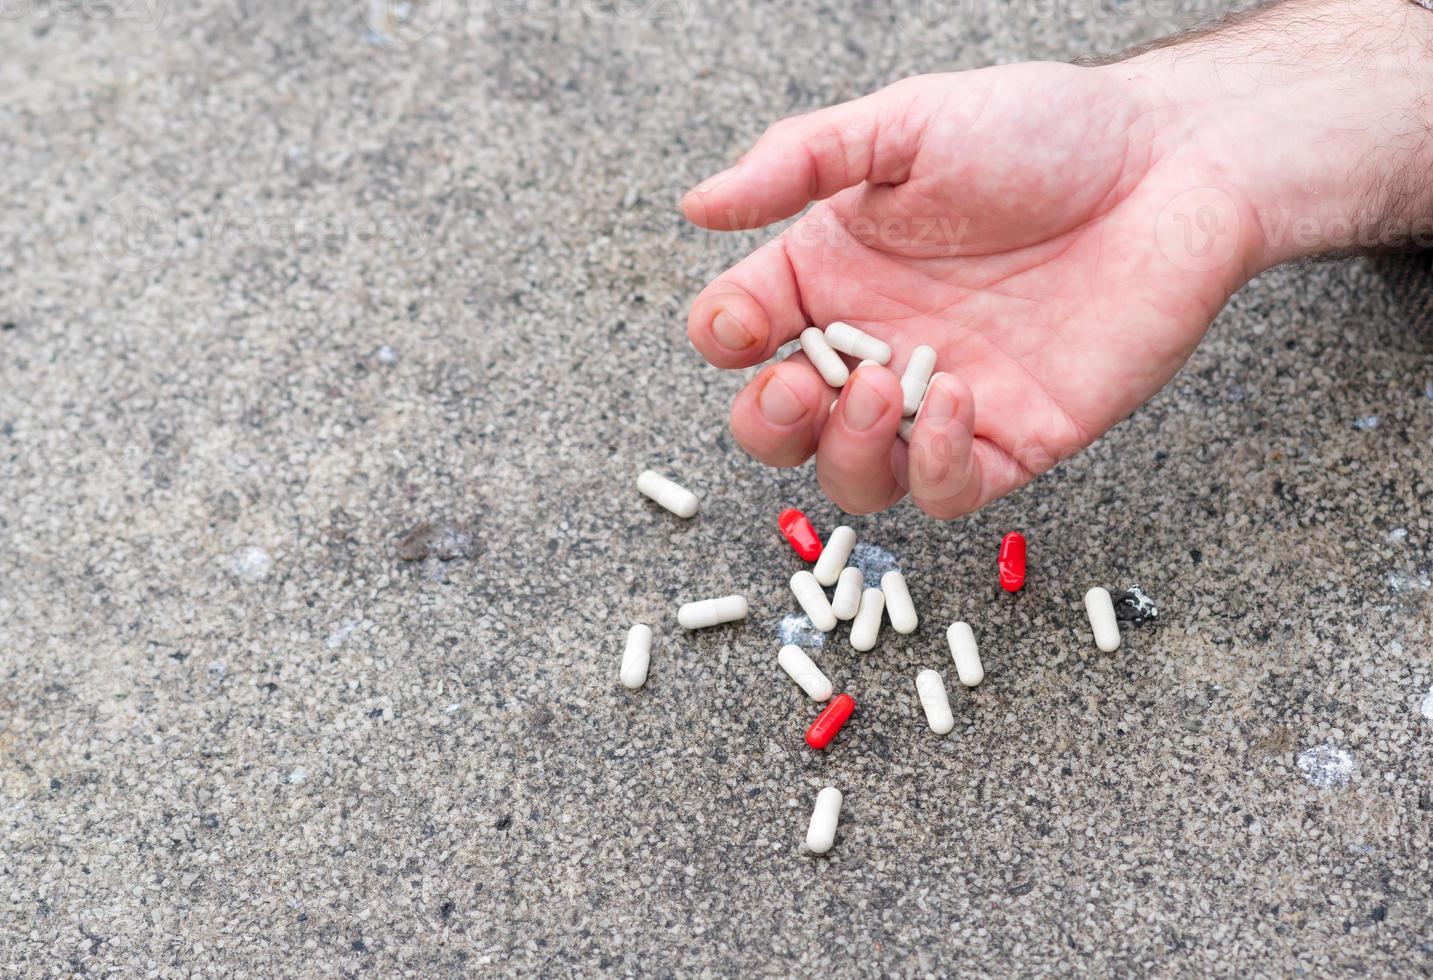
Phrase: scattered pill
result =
(867, 624)
(824, 358)
(673, 496)
(799, 533)
(1102, 619)
(857, 343)
(636, 657)
(847, 599)
(866, 362)
(931, 688)
(821, 833)
(813, 600)
(908, 426)
(967, 655)
(916, 378)
(899, 607)
(829, 721)
(835, 555)
(712, 612)
(1012, 561)
(806, 674)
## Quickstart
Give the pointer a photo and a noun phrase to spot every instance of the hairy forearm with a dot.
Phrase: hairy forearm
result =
(1317, 113)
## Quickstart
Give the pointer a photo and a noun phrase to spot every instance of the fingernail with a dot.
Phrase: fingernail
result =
(779, 404)
(730, 333)
(939, 403)
(864, 404)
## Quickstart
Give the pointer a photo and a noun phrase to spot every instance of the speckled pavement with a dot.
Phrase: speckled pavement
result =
(280, 285)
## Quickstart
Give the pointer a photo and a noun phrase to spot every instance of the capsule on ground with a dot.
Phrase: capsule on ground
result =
(899, 607)
(867, 624)
(835, 555)
(821, 833)
(712, 612)
(916, 378)
(798, 532)
(823, 357)
(1012, 561)
(967, 656)
(673, 496)
(847, 599)
(807, 675)
(931, 688)
(857, 343)
(636, 657)
(813, 600)
(1103, 623)
(829, 721)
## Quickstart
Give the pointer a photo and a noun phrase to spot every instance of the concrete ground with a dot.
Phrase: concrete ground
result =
(280, 285)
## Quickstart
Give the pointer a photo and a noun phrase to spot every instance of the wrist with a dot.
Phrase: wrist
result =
(1315, 116)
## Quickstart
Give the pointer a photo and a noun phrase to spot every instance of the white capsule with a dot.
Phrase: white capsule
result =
(848, 593)
(867, 624)
(931, 688)
(673, 496)
(813, 600)
(916, 378)
(907, 427)
(800, 669)
(967, 656)
(834, 555)
(899, 607)
(712, 612)
(1102, 619)
(824, 358)
(866, 362)
(821, 833)
(636, 657)
(859, 344)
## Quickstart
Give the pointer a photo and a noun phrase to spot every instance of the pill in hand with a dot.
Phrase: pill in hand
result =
(857, 343)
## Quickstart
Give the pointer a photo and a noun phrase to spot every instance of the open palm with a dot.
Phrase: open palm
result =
(1045, 228)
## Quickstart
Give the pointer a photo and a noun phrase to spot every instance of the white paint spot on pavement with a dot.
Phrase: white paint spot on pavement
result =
(250, 564)
(341, 633)
(873, 561)
(797, 628)
(1327, 766)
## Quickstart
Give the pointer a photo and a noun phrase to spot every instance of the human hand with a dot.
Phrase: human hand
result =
(1061, 236)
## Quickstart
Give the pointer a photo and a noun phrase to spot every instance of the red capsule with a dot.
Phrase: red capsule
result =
(1012, 562)
(800, 534)
(829, 721)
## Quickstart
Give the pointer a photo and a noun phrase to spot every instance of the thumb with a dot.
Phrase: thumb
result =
(809, 158)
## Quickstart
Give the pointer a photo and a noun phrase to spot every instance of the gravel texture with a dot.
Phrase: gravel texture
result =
(280, 286)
